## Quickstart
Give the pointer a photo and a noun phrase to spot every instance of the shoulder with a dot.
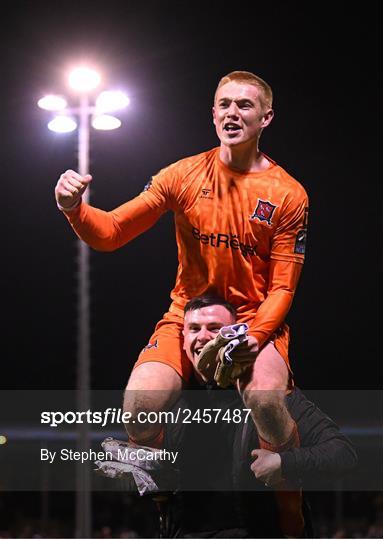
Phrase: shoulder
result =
(170, 180)
(190, 163)
(298, 403)
(311, 420)
(291, 185)
(285, 183)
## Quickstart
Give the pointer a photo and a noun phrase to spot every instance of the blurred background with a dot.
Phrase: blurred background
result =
(322, 63)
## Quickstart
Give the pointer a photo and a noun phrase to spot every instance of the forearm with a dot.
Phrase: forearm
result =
(107, 231)
(274, 309)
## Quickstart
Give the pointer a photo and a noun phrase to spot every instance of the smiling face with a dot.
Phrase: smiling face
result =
(239, 113)
(201, 326)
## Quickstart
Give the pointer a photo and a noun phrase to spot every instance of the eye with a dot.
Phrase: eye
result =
(244, 103)
(214, 329)
(194, 329)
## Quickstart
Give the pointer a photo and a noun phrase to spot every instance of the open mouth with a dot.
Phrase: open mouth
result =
(197, 351)
(231, 127)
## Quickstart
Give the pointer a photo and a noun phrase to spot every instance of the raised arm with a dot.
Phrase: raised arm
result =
(107, 231)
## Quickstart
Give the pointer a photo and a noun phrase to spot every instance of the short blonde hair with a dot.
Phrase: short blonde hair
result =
(266, 96)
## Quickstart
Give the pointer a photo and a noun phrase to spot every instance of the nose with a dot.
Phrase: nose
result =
(204, 335)
(232, 111)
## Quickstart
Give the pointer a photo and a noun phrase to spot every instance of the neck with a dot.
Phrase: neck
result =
(246, 158)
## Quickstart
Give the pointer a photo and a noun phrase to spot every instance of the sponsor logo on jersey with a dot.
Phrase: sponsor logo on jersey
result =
(222, 240)
(206, 193)
(151, 346)
(264, 211)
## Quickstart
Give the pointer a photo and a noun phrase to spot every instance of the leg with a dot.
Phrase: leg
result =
(156, 380)
(263, 390)
(153, 386)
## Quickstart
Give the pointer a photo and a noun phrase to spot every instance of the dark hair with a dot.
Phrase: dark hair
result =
(199, 302)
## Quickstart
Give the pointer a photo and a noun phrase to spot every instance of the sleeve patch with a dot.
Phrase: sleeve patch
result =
(147, 186)
(300, 242)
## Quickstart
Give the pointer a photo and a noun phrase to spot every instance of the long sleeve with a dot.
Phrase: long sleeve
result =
(286, 260)
(284, 277)
(324, 449)
(107, 231)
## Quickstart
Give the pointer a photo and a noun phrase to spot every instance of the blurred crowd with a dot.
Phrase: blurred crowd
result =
(353, 515)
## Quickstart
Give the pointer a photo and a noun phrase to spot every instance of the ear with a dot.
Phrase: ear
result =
(267, 118)
(213, 112)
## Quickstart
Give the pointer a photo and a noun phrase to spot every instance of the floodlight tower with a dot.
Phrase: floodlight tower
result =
(84, 81)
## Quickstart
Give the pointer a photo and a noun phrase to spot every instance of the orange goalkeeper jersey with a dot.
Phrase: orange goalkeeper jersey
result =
(239, 235)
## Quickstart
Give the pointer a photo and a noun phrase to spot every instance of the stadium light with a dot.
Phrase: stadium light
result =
(52, 103)
(111, 100)
(62, 124)
(105, 122)
(84, 81)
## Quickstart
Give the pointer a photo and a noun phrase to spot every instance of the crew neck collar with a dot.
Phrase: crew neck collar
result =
(223, 165)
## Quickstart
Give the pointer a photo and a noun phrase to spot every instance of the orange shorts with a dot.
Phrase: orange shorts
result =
(166, 346)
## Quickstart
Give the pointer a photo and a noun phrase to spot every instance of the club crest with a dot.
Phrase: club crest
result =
(264, 211)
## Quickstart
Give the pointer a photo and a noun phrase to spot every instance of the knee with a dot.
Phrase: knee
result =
(143, 422)
(151, 386)
(263, 403)
(140, 401)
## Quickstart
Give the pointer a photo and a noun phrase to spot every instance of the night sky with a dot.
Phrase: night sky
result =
(322, 63)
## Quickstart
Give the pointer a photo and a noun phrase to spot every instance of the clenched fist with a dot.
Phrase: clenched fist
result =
(70, 188)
